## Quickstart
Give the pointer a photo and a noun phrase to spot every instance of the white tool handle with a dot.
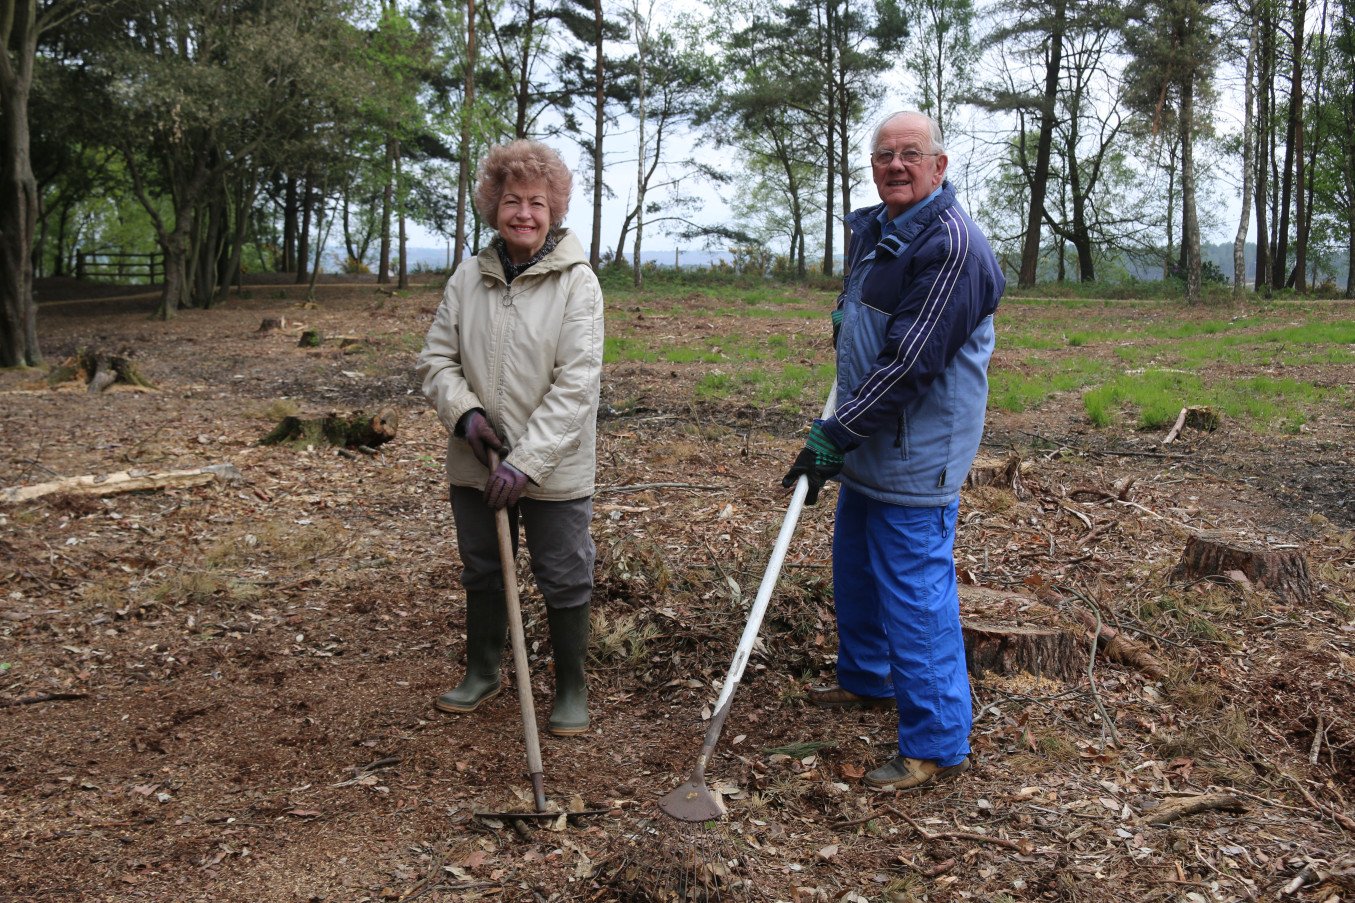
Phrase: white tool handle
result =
(769, 577)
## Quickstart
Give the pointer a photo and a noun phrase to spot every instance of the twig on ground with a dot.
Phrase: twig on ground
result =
(1107, 726)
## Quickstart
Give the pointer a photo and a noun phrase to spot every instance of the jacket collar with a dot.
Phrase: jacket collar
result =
(866, 222)
(568, 253)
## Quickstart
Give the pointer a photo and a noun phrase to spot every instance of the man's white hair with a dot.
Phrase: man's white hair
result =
(938, 142)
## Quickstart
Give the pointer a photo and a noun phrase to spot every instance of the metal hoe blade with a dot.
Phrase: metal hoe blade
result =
(693, 801)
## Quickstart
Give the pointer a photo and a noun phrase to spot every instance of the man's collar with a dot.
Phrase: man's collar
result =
(888, 226)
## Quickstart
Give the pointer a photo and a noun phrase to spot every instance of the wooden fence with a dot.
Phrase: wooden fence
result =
(107, 266)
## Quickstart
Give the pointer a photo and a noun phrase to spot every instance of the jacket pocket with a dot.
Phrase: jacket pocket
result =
(901, 437)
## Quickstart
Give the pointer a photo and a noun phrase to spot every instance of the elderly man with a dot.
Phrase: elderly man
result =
(914, 332)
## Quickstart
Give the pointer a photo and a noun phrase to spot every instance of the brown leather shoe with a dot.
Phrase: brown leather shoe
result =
(838, 698)
(904, 773)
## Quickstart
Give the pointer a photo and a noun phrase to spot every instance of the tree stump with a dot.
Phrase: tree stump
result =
(1006, 632)
(1008, 648)
(272, 324)
(311, 338)
(99, 370)
(1284, 571)
(1201, 418)
(343, 430)
(998, 472)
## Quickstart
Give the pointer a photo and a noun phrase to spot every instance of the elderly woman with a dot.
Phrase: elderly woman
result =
(512, 363)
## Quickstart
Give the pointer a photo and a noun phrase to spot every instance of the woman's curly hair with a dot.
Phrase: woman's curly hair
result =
(524, 161)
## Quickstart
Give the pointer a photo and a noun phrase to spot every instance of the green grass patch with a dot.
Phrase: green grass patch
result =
(1156, 396)
(1039, 379)
(618, 349)
(788, 385)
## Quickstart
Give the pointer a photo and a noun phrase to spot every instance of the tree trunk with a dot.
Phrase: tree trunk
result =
(833, 99)
(1314, 141)
(1296, 100)
(244, 202)
(303, 243)
(1280, 263)
(524, 81)
(403, 277)
(1030, 250)
(463, 153)
(18, 200)
(641, 45)
(1264, 67)
(289, 202)
(599, 123)
(387, 199)
(1350, 201)
(1190, 223)
(1248, 127)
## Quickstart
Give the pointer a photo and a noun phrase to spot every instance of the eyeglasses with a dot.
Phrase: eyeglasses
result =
(911, 157)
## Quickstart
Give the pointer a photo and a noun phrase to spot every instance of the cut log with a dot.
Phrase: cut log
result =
(1009, 648)
(1171, 810)
(343, 430)
(98, 370)
(123, 481)
(1283, 571)
(1122, 649)
(998, 472)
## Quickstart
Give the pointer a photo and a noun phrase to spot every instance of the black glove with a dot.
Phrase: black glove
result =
(505, 486)
(479, 434)
(819, 461)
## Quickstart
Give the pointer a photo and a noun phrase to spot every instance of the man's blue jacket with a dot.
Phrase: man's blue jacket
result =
(912, 354)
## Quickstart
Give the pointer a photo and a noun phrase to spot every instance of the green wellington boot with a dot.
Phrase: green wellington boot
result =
(569, 637)
(486, 629)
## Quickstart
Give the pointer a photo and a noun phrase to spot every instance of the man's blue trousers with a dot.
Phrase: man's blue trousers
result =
(898, 620)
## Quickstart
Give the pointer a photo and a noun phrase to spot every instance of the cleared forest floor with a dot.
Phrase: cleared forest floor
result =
(235, 678)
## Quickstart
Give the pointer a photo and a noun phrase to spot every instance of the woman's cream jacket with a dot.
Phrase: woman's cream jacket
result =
(530, 356)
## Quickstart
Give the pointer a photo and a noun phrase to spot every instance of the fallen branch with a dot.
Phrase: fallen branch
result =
(1020, 847)
(1172, 810)
(641, 487)
(1176, 428)
(36, 698)
(1121, 648)
(123, 481)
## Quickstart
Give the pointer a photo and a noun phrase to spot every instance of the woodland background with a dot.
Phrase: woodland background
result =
(261, 135)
